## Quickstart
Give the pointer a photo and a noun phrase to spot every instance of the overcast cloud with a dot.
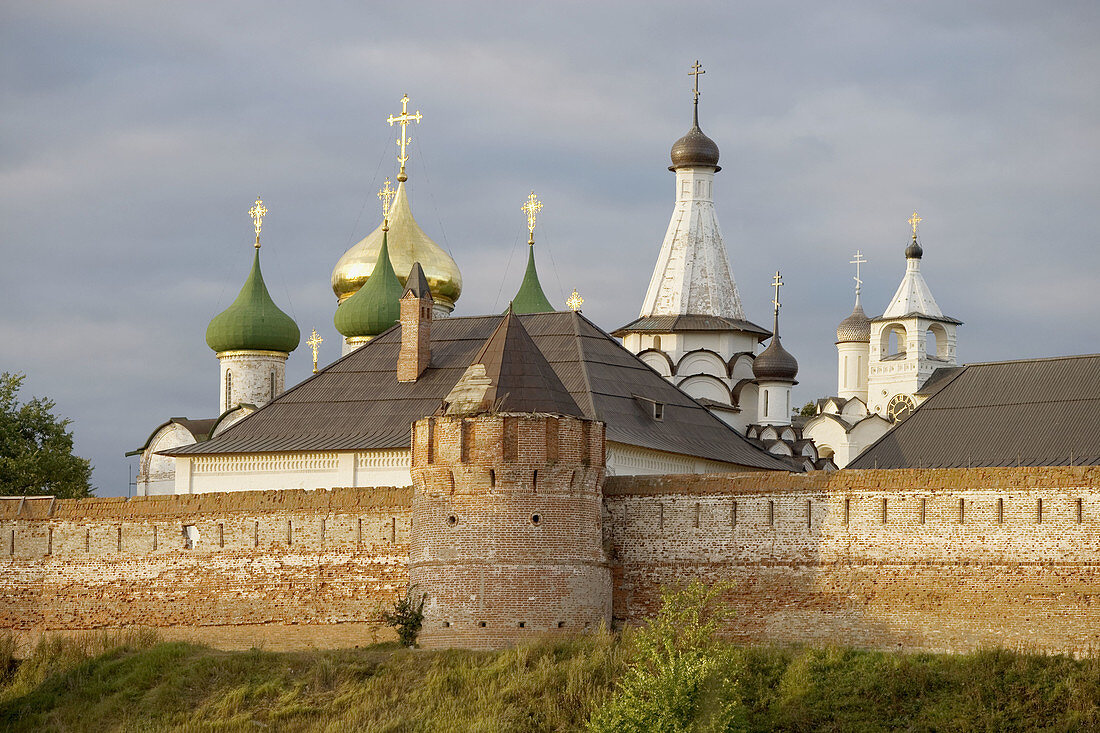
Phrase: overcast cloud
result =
(135, 136)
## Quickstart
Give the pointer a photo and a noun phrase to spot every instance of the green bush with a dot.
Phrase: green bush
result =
(407, 617)
(681, 678)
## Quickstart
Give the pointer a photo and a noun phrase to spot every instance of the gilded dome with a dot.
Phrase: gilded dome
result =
(407, 244)
(856, 327)
(253, 322)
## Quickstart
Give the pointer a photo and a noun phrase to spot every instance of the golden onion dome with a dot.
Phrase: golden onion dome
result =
(408, 244)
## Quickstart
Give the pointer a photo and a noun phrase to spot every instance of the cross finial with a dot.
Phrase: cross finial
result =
(575, 301)
(385, 195)
(532, 208)
(777, 282)
(914, 220)
(257, 213)
(859, 260)
(314, 343)
(697, 71)
(404, 119)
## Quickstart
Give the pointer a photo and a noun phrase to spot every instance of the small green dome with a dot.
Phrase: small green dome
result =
(253, 322)
(530, 298)
(377, 305)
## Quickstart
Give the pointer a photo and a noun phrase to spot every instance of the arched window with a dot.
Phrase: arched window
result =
(657, 342)
(272, 386)
(766, 409)
(228, 389)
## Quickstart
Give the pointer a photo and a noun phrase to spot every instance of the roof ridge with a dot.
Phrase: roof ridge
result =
(1033, 359)
(583, 362)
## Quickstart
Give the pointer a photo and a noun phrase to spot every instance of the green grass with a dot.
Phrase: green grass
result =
(132, 682)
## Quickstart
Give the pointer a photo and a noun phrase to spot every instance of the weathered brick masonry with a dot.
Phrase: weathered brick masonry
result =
(960, 558)
(254, 563)
(934, 559)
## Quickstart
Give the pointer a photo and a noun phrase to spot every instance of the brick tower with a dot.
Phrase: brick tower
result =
(506, 535)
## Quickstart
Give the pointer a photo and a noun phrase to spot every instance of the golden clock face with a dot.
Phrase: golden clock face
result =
(900, 407)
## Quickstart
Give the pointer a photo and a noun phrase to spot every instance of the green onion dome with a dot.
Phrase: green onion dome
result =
(530, 298)
(376, 305)
(253, 322)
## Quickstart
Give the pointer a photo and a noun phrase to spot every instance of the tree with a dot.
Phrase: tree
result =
(407, 616)
(809, 409)
(36, 448)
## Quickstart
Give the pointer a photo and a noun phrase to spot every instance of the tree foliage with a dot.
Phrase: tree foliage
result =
(682, 677)
(36, 448)
(808, 410)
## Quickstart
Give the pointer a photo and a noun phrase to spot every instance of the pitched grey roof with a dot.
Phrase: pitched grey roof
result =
(356, 403)
(673, 324)
(1037, 412)
(518, 377)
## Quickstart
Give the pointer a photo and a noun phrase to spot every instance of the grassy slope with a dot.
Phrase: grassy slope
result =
(142, 685)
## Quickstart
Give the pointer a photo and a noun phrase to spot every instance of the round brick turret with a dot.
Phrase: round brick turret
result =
(506, 533)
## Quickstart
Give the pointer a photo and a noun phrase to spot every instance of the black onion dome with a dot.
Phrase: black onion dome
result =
(856, 327)
(695, 149)
(775, 364)
(913, 251)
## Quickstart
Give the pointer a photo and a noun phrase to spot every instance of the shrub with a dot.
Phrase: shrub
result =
(681, 678)
(407, 617)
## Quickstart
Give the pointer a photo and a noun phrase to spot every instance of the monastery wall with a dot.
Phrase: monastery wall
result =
(934, 559)
(275, 568)
(941, 560)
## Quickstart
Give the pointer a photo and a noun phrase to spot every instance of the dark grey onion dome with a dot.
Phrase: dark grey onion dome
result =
(695, 149)
(775, 364)
(856, 327)
(913, 251)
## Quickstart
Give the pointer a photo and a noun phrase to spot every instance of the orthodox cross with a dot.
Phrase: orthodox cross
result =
(777, 282)
(315, 343)
(575, 301)
(532, 208)
(385, 195)
(404, 119)
(859, 260)
(914, 220)
(257, 213)
(697, 71)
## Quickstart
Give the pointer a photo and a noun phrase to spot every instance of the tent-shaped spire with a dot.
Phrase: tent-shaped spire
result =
(510, 374)
(530, 298)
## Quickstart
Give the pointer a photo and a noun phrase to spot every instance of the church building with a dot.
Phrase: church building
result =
(883, 363)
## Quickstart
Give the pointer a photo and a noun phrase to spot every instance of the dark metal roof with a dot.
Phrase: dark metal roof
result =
(520, 379)
(199, 429)
(1004, 413)
(672, 324)
(356, 403)
(417, 283)
(917, 314)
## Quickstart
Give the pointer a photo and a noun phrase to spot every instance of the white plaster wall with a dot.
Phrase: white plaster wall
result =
(262, 471)
(774, 404)
(903, 376)
(157, 474)
(251, 377)
(631, 460)
(853, 365)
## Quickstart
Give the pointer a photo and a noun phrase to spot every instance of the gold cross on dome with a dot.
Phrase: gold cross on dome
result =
(385, 195)
(859, 260)
(314, 343)
(914, 220)
(777, 282)
(575, 301)
(257, 212)
(697, 70)
(532, 208)
(404, 119)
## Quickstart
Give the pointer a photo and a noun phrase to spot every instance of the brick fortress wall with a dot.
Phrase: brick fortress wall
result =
(506, 537)
(276, 568)
(941, 560)
(811, 557)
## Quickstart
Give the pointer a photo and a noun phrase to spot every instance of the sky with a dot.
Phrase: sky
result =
(135, 136)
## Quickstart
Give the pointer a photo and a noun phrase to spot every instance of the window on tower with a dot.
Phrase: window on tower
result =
(228, 389)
